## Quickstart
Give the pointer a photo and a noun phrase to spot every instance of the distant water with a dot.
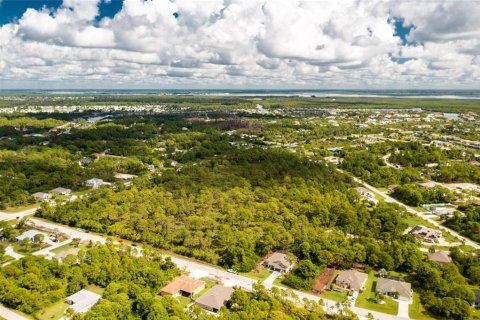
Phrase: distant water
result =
(438, 94)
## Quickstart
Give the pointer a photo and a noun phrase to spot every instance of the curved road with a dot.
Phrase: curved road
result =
(413, 211)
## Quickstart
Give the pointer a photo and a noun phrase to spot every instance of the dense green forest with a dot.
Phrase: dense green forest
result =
(32, 283)
(467, 223)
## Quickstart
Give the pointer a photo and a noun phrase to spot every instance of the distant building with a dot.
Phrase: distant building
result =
(84, 161)
(41, 196)
(30, 235)
(96, 183)
(351, 279)
(476, 301)
(393, 288)
(367, 194)
(428, 234)
(184, 286)
(83, 300)
(441, 257)
(280, 262)
(62, 255)
(215, 298)
(334, 160)
(124, 176)
(440, 210)
(61, 191)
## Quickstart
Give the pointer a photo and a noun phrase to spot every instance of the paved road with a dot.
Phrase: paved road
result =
(10, 216)
(201, 270)
(9, 314)
(413, 211)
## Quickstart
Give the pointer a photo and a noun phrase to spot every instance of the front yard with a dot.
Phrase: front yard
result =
(416, 310)
(335, 295)
(367, 300)
(256, 274)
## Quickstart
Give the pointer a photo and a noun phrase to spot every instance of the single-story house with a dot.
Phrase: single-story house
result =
(83, 300)
(96, 183)
(367, 194)
(323, 280)
(61, 255)
(61, 191)
(351, 279)
(41, 196)
(84, 161)
(440, 257)
(215, 298)
(30, 235)
(391, 288)
(440, 210)
(428, 234)
(124, 176)
(280, 262)
(476, 301)
(184, 286)
(334, 160)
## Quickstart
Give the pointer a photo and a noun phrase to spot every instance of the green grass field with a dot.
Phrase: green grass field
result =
(53, 312)
(335, 295)
(367, 298)
(260, 276)
(416, 310)
(20, 209)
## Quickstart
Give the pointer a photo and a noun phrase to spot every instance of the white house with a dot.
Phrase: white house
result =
(83, 300)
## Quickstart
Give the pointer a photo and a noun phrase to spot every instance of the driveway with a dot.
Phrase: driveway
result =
(403, 309)
(9, 314)
(269, 281)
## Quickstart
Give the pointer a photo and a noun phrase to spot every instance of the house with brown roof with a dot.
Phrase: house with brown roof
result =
(324, 280)
(280, 262)
(440, 257)
(351, 279)
(215, 298)
(184, 286)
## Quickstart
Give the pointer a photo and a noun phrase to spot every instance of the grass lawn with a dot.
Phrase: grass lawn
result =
(261, 275)
(66, 247)
(416, 310)
(335, 295)
(20, 209)
(184, 301)
(96, 289)
(367, 298)
(53, 312)
(17, 247)
(5, 258)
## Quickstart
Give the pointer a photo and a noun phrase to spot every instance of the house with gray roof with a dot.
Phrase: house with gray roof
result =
(215, 298)
(30, 235)
(280, 262)
(351, 279)
(441, 257)
(393, 288)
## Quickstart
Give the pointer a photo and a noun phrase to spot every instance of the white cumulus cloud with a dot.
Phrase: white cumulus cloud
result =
(257, 43)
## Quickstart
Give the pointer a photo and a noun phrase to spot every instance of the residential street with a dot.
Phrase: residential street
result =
(413, 211)
(198, 270)
(9, 314)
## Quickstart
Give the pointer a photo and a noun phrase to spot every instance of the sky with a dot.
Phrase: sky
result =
(162, 44)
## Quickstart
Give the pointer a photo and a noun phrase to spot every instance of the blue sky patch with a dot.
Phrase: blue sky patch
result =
(402, 30)
(11, 10)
